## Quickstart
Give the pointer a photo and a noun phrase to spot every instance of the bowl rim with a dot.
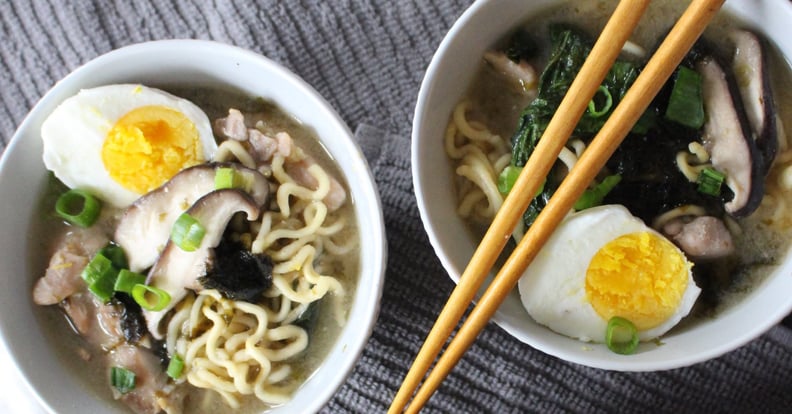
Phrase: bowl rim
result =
(426, 110)
(354, 335)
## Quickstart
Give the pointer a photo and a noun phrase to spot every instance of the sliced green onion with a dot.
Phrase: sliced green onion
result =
(224, 178)
(150, 298)
(710, 181)
(187, 233)
(100, 275)
(116, 255)
(78, 207)
(175, 367)
(97, 268)
(127, 280)
(507, 177)
(122, 379)
(594, 196)
(230, 178)
(686, 104)
(621, 336)
(606, 106)
(102, 289)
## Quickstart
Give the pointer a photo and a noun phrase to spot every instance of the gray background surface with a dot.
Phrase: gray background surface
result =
(368, 58)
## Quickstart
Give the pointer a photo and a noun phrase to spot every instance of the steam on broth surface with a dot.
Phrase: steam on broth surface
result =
(286, 225)
(729, 226)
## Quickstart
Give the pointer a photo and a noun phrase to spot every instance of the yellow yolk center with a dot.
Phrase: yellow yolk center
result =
(148, 146)
(640, 277)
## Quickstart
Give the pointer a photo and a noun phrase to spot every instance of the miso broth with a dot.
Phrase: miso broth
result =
(322, 319)
(493, 107)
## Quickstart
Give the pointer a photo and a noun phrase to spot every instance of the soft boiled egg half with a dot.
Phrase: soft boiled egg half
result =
(122, 141)
(602, 263)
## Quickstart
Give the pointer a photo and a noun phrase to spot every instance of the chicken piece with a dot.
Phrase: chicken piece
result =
(62, 277)
(704, 237)
(262, 146)
(232, 126)
(299, 172)
(286, 147)
(522, 73)
(97, 322)
(151, 382)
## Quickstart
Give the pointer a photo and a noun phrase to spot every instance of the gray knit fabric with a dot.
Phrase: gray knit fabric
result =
(367, 57)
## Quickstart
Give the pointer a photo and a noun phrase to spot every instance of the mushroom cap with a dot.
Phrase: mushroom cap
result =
(728, 139)
(177, 270)
(145, 226)
(753, 81)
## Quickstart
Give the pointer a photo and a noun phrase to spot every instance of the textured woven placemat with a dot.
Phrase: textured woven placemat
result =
(367, 58)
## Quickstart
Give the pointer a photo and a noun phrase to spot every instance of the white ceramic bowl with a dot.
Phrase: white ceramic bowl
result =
(447, 79)
(22, 176)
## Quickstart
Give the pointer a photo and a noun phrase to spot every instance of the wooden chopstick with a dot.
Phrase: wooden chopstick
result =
(660, 67)
(604, 53)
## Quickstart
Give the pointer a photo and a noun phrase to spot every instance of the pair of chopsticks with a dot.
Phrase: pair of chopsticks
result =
(604, 53)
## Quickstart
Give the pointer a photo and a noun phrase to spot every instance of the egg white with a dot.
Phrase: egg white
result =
(553, 289)
(74, 133)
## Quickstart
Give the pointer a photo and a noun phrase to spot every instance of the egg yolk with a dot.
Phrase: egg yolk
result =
(148, 146)
(640, 277)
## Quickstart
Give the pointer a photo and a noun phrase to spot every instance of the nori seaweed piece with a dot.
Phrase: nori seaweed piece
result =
(237, 273)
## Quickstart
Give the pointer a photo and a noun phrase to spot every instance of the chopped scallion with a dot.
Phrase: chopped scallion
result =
(230, 178)
(621, 336)
(116, 255)
(594, 196)
(127, 280)
(122, 379)
(78, 207)
(224, 178)
(97, 268)
(710, 181)
(187, 233)
(175, 367)
(100, 275)
(102, 289)
(150, 298)
(606, 105)
(507, 177)
(686, 104)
